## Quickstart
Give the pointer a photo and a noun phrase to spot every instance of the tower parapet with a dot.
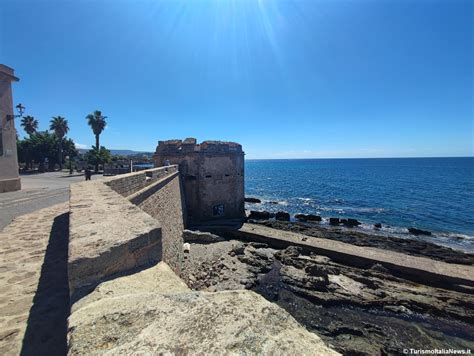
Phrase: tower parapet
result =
(212, 173)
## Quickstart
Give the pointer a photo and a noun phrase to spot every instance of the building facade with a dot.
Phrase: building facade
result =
(9, 178)
(212, 173)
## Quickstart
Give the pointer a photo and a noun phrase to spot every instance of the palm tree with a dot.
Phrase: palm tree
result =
(29, 124)
(60, 127)
(97, 122)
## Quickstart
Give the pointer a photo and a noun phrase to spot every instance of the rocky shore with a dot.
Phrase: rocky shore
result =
(359, 311)
(361, 238)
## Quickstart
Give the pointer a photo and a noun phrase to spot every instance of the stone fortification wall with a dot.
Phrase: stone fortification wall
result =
(128, 184)
(107, 235)
(116, 231)
(212, 174)
(164, 201)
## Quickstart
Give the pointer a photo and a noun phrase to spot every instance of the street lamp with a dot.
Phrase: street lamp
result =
(21, 110)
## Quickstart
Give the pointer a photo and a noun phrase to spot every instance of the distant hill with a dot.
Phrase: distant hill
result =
(122, 152)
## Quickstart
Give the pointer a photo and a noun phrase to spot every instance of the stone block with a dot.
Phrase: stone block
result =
(108, 236)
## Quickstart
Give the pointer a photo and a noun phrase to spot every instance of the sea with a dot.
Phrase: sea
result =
(434, 194)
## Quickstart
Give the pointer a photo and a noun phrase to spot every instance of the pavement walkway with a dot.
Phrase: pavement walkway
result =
(34, 292)
(38, 191)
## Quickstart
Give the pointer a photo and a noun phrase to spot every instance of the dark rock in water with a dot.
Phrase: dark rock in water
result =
(252, 200)
(415, 231)
(343, 221)
(352, 222)
(378, 225)
(283, 216)
(334, 221)
(309, 217)
(259, 215)
(273, 202)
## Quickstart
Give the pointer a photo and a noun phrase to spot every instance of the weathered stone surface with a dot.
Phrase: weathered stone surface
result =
(128, 184)
(164, 201)
(359, 311)
(359, 237)
(334, 221)
(418, 268)
(200, 237)
(233, 322)
(212, 173)
(158, 279)
(108, 235)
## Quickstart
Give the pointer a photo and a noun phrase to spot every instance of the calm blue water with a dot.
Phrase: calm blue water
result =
(436, 194)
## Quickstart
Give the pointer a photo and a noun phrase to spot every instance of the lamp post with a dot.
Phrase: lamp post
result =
(21, 111)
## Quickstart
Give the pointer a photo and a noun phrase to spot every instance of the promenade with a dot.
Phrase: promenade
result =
(34, 292)
(38, 191)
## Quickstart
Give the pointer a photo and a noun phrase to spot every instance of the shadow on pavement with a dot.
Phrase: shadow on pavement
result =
(46, 331)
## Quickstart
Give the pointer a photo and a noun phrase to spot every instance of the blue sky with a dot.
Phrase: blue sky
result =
(286, 79)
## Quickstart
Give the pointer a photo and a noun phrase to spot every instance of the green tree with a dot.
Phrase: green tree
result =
(29, 124)
(60, 127)
(44, 145)
(98, 157)
(97, 122)
(25, 152)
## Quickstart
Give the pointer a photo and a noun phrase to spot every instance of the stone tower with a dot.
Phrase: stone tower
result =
(212, 174)
(9, 179)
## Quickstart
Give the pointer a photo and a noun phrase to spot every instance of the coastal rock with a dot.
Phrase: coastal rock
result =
(378, 226)
(252, 200)
(200, 237)
(288, 253)
(158, 320)
(238, 250)
(283, 216)
(308, 217)
(334, 221)
(351, 222)
(415, 231)
(259, 215)
(360, 238)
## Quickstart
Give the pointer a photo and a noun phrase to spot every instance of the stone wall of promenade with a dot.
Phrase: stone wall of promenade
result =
(121, 224)
(129, 184)
(164, 200)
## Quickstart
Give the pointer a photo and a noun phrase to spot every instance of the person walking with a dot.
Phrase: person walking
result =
(87, 173)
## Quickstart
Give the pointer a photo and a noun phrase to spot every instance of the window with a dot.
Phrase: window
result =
(218, 210)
